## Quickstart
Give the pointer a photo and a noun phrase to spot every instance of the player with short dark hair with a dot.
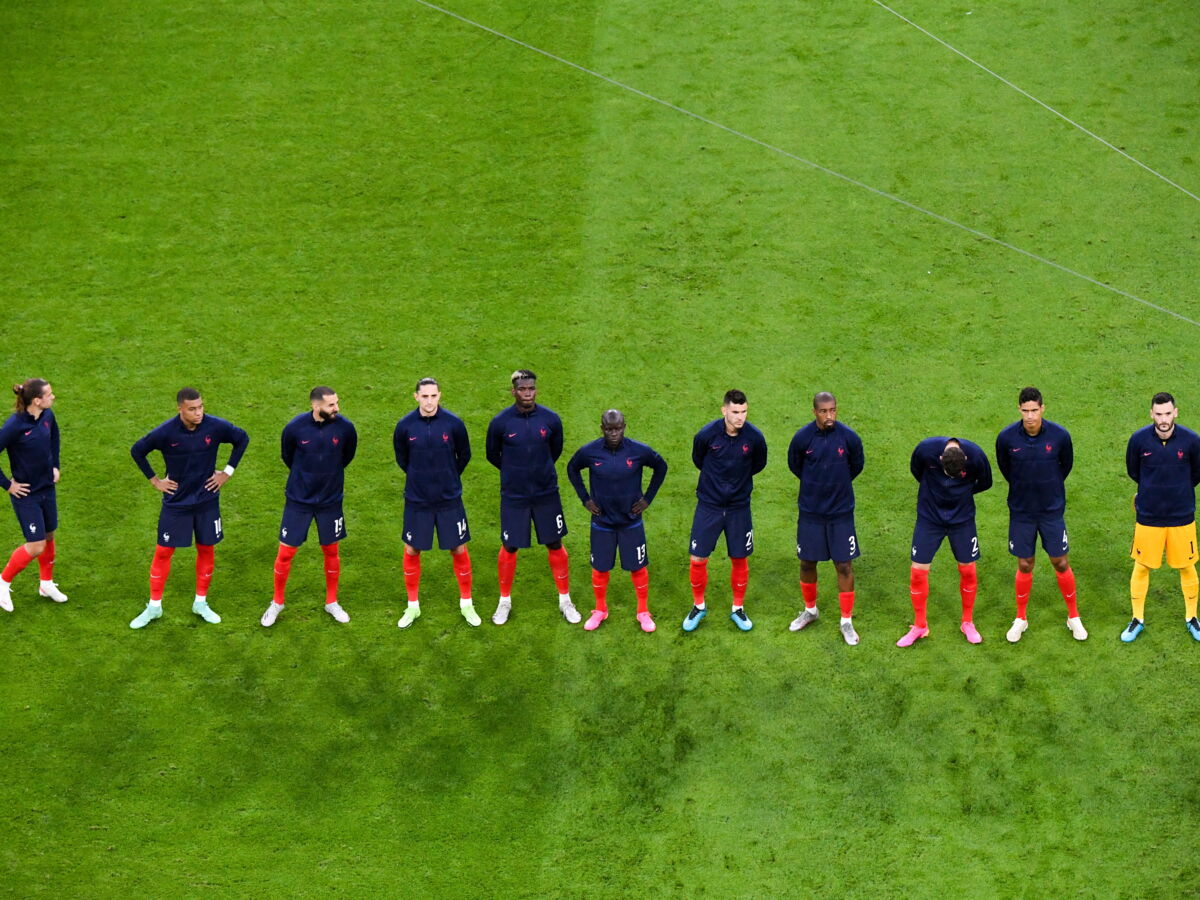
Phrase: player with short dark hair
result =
(826, 456)
(30, 435)
(615, 465)
(1164, 460)
(433, 449)
(950, 471)
(191, 502)
(523, 442)
(1035, 457)
(316, 447)
(729, 452)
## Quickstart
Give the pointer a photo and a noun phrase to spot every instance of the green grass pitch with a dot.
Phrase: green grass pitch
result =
(258, 197)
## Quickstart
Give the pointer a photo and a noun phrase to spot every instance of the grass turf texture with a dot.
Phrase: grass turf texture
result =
(257, 198)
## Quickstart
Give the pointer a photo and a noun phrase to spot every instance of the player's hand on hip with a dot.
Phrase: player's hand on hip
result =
(591, 507)
(18, 490)
(164, 485)
(57, 475)
(639, 506)
(214, 483)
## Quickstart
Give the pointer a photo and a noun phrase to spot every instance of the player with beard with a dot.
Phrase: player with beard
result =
(316, 447)
(1164, 460)
(826, 456)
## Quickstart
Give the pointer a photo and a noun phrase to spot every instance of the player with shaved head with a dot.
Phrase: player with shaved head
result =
(615, 464)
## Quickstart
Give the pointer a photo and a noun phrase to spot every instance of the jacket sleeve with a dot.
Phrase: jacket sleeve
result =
(760, 454)
(1133, 461)
(287, 446)
(141, 449)
(659, 466)
(1066, 459)
(796, 457)
(240, 440)
(400, 446)
(574, 466)
(916, 464)
(462, 446)
(983, 476)
(699, 449)
(858, 459)
(349, 445)
(494, 442)
(54, 443)
(556, 439)
(1004, 464)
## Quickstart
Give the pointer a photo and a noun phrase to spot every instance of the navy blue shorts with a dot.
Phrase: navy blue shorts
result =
(297, 517)
(819, 538)
(927, 537)
(547, 518)
(1023, 535)
(630, 540)
(450, 523)
(176, 526)
(710, 521)
(37, 513)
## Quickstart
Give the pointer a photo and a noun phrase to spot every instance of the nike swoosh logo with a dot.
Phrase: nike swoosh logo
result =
(514, 434)
(597, 464)
(175, 444)
(304, 442)
(412, 439)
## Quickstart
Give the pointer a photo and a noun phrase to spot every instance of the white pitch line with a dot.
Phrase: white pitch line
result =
(1045, 106)
(820, 168)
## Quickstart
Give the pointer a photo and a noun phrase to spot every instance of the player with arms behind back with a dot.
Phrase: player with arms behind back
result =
(1035, 457)
(523, 442)
(826, 456)
(191, 502)
(316, 447)
(1164, 460)
(31, 438)
(729, 452)
(433, 449)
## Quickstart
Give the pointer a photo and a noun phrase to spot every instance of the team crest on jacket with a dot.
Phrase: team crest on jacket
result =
(445, 437)
(841, 451)
(1180, 452)
(1049, 448)
(629, 462)
(208, 439)
(542, 432)
(745, 448)
(335, 441)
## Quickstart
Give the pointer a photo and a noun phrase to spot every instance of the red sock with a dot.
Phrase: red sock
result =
(412, 575)
(846, 602)
(46, 561)
(462, 571)
(560, 569)
(641, 587)
(967, 582)
(739, 577)
(16, 563)
(600, 589)
(160, 568)
(506, 569)
(809, 593)
(283, 568)
(1022, 585)
(698, 572)
(333, 571)
(1066, 584)
(205, 563)
(918, 587)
